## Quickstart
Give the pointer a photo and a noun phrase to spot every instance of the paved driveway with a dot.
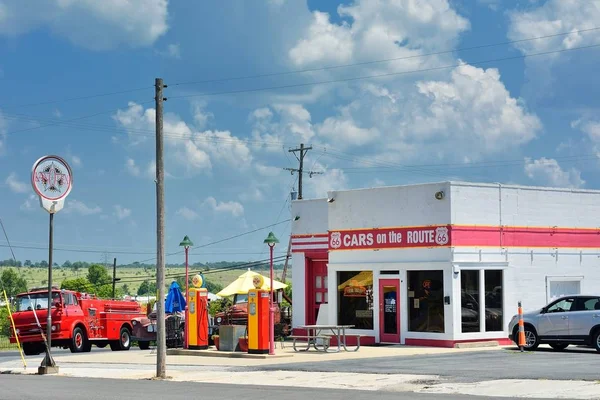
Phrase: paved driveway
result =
(573, 363)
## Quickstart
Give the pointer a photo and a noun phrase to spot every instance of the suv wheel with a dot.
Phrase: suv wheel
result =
(596, 340)
(532, 341)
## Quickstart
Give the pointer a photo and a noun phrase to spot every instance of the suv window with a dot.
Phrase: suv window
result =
(562, 305)
(588, 304)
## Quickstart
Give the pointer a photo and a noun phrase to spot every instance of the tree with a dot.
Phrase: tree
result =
(77, 284)
(147, 287)
(67, 264)
(12, 283)
(125, 288)
(97, 275)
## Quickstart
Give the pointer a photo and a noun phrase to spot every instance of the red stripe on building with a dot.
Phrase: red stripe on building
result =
(494, 236)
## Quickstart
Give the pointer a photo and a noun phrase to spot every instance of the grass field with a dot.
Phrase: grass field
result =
(132, 277)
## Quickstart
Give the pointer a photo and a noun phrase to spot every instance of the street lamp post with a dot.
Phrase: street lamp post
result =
(186, 243)
(271, 240)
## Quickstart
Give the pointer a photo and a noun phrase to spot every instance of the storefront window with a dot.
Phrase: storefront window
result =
(494, 320)
(355, 299)
(469, 300)
(426, 301)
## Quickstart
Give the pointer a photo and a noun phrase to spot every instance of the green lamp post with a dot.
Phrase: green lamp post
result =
(271, 240)
(186, 243)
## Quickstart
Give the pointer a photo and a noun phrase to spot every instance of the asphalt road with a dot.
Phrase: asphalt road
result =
(573, 363)
(35, 387)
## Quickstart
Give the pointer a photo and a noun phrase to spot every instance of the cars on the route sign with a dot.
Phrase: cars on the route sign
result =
(567, 320)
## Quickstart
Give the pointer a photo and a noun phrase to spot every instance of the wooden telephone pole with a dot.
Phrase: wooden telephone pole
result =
(161, 348)
(303, 150)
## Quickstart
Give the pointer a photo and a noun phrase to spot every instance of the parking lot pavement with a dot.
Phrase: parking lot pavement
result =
(510, 363)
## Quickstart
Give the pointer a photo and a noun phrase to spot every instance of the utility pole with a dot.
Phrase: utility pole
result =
(303, 150)
(115, 279)
(161, 351)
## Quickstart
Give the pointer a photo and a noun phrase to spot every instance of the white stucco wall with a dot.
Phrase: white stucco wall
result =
(313, 220)
(527, 271)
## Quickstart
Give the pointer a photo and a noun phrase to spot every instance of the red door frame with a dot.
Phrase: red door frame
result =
(388, 337)
(310, 308)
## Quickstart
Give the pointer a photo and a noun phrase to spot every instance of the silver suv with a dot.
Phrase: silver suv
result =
(567, 320)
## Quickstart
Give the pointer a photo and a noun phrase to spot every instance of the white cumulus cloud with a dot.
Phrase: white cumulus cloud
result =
(379, 30)
(16, 185)
(191, 150)
(122, 212)
(132, 167)
(96, 25)
(79, 207)
(229, 207)
(547, 171)
(187, 213)
(553, 17)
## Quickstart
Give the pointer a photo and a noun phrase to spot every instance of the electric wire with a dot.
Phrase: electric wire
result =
(316, 69)
(218, 241)
(84, 97)
(273, 74)
(387, 74)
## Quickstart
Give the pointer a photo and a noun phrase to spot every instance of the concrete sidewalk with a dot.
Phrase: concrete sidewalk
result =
(283, 356)
(142, 365)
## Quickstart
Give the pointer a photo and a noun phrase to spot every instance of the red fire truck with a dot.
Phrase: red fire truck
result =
(78, 321)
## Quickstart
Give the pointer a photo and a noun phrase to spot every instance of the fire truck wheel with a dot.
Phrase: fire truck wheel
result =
(144, 345)
(79, 341)
(124, 342)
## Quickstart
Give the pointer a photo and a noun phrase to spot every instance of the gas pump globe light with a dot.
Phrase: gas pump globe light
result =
(197, 280)
(258, 281)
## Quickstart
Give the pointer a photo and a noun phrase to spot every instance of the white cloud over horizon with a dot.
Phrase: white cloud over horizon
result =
(96, 25)
(549, 172)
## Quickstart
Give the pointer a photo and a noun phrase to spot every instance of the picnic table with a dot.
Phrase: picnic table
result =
(314, 336)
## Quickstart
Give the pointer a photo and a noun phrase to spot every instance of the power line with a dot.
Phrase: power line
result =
(134, 279)
(388, 74)
(278, 144)
(219, 241)
(390, 166)
(59, 122)
(117, 252)
(92, 96)
(301, 71)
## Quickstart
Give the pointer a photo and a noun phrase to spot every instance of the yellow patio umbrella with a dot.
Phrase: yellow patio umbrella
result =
(244, 283)
(363, 278)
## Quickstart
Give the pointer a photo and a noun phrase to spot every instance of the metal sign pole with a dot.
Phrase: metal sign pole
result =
(52, 180)
(48, 362)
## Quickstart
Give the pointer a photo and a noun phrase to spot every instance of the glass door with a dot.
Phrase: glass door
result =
(389, 317)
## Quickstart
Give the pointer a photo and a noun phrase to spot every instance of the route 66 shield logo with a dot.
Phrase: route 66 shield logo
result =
(441, 236)
(335, 240)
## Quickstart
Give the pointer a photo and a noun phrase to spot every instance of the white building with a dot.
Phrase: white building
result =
(419, 264)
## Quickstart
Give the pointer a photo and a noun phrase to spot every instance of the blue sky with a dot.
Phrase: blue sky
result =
(441, 109)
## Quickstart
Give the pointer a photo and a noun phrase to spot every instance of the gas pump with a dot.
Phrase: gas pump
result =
(258, 318)
(198, 315)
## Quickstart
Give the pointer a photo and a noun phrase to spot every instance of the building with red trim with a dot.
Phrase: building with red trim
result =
(440, 263)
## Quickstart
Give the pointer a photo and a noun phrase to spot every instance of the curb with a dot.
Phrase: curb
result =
(225, 354)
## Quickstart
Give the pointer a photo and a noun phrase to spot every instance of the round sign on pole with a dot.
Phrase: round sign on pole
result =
(52, 180)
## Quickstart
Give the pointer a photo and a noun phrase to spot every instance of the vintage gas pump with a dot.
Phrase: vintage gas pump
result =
(198, 315)
(258, 318)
